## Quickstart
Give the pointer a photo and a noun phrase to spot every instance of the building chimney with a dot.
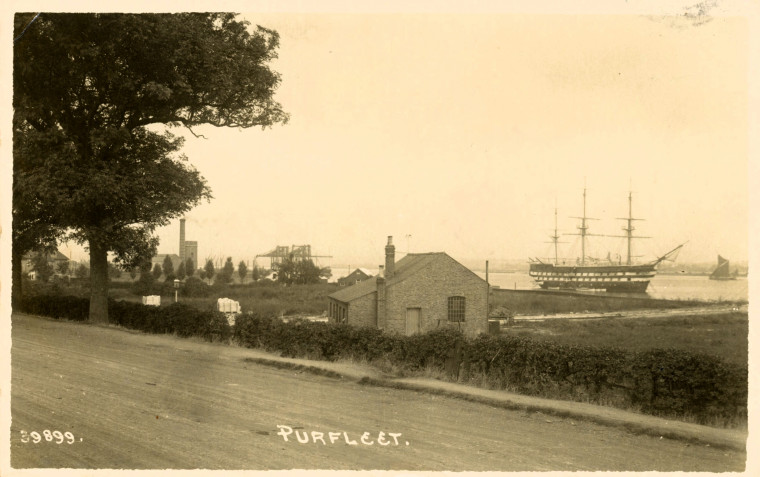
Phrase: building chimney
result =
(182, 257)
(381, 313)
(390, 258)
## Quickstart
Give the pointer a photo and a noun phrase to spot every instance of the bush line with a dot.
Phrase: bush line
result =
(177, 318)
(665, 382)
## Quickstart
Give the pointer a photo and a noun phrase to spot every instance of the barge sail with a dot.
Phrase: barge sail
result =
(599, 275)
(722, 271)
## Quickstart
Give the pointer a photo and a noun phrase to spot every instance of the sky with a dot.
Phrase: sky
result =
(463, 132)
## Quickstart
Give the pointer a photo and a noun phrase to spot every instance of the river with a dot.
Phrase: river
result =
(669, 287)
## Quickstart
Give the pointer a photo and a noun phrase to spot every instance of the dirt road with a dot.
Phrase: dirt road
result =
(139, 401)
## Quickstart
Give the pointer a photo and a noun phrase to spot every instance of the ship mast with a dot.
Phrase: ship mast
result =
(583, 227)
(555, 238)
(629, 228)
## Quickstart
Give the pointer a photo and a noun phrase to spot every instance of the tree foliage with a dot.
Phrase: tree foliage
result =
(168, 268)
(144, 284)
(91, 92)
(42, 267)
(113, 270)
(63, 267)
(181, 273)
(189, 267)
(225, 274)
(242, 270)
(209, 269)
(297, 272)
(82, 271)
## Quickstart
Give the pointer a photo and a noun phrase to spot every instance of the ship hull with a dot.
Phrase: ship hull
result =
(613, 278)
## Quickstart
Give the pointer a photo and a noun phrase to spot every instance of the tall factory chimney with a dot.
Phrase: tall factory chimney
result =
(390, 258)
(182, 240)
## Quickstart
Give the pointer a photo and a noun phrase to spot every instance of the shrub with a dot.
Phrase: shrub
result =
(58, 307)
(179, 319)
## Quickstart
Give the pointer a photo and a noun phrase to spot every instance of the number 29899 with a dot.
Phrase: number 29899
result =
(48, 436)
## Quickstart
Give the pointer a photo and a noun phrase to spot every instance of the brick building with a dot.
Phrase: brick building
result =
(358, 275)
(422, 292)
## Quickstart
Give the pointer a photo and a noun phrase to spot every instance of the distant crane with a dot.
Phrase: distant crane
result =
(295, 252)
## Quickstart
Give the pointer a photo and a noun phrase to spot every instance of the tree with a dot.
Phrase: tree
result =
(94, 95)
(157, 271)
(242, 270)
(181, 271)
(63, 267)
(190, 267)
(42, 267)
(256, 273)
(209, 269)
(168, 268)
(144, 285)
(225, 275)
(82, 272)
(133, 272)
(113, 270)
(297, 272)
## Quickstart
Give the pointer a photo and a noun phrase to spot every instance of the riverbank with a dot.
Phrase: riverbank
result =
(551, 302)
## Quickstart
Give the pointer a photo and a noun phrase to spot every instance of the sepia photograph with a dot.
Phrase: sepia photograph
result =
(378, 237)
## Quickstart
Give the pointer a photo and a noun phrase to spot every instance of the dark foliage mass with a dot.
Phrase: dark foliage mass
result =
(94, 97)
(663, 382)
(177, 318)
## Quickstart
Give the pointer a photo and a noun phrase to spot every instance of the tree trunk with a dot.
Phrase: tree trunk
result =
(16, 278)
(98, 283)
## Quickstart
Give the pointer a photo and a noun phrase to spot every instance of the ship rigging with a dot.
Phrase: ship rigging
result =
(610, 277)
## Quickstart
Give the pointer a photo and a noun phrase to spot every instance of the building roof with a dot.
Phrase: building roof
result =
(403, 269)
(57, 255)
(357, 290)
(358, 272)
(164, 255)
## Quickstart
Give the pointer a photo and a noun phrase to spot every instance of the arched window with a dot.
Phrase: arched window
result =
(456, 308)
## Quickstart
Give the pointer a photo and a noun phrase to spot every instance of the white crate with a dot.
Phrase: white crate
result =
(226, 305)
(152, 300)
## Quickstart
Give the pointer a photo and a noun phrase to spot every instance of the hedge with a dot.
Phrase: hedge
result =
(177, 318)
(665, 382)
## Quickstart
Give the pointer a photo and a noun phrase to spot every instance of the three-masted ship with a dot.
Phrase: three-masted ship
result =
(599, 275)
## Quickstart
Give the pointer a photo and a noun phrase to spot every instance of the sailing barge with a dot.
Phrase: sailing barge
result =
(722, 271)
(611, 277)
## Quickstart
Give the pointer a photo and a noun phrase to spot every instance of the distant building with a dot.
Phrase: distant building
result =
(159, 259)
(191, 252)
(54, 259)
(187, 248)
(422, 292)
(358, 275)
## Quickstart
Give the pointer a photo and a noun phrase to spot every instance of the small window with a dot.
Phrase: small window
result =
(456, 308)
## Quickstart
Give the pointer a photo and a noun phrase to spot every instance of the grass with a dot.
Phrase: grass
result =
(722, 334)
(268, 299)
